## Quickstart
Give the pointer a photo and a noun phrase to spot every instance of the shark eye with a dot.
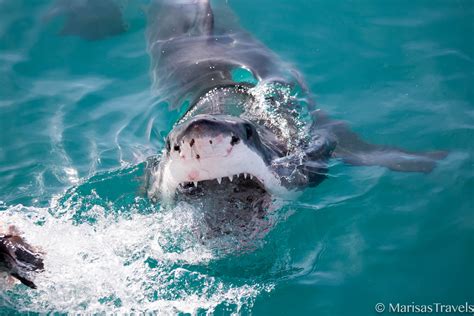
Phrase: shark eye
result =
(248, 130)
(176, 147)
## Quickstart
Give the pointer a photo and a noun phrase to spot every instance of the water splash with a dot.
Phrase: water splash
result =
(145, 260)
(134, 264)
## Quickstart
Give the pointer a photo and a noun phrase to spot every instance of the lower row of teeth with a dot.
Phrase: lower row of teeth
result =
(219, 180)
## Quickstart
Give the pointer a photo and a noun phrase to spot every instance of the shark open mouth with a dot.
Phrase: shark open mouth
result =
(233, 206)
(237, 183)
(231, 187)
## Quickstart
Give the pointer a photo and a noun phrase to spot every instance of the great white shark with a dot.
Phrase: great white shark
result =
(260, 129)
(250, 129)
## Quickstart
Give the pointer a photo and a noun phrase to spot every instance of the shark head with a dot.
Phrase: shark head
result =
(215, 153)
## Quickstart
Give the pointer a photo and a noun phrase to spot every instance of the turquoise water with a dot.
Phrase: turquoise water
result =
(78, 119)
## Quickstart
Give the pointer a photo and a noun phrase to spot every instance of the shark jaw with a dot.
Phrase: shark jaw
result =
(212, 159)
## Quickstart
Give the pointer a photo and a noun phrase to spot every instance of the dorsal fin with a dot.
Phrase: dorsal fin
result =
(205, 17)
(169, 19)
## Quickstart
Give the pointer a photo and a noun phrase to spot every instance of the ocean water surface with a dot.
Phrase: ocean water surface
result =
(78, 119)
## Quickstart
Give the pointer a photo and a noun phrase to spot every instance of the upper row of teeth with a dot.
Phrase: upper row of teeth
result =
(219, 180)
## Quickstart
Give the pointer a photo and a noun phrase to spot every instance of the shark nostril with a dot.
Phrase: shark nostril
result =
(176, 147)
(234, 140)
(191, 143)
(197, 156)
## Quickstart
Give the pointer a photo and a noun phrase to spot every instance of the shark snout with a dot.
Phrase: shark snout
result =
(205, 137)
(202, 147)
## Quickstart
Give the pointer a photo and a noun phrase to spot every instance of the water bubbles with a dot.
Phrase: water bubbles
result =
(278, 108)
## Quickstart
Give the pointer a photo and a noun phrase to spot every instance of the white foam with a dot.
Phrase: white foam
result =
(105, 266)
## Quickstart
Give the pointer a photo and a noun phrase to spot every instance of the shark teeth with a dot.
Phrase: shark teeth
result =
(219, 180)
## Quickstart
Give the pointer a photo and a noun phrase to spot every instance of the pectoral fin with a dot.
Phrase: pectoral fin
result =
(393, 159)
(353, 150)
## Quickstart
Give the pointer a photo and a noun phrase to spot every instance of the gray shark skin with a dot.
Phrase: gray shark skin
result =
(195, 48)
